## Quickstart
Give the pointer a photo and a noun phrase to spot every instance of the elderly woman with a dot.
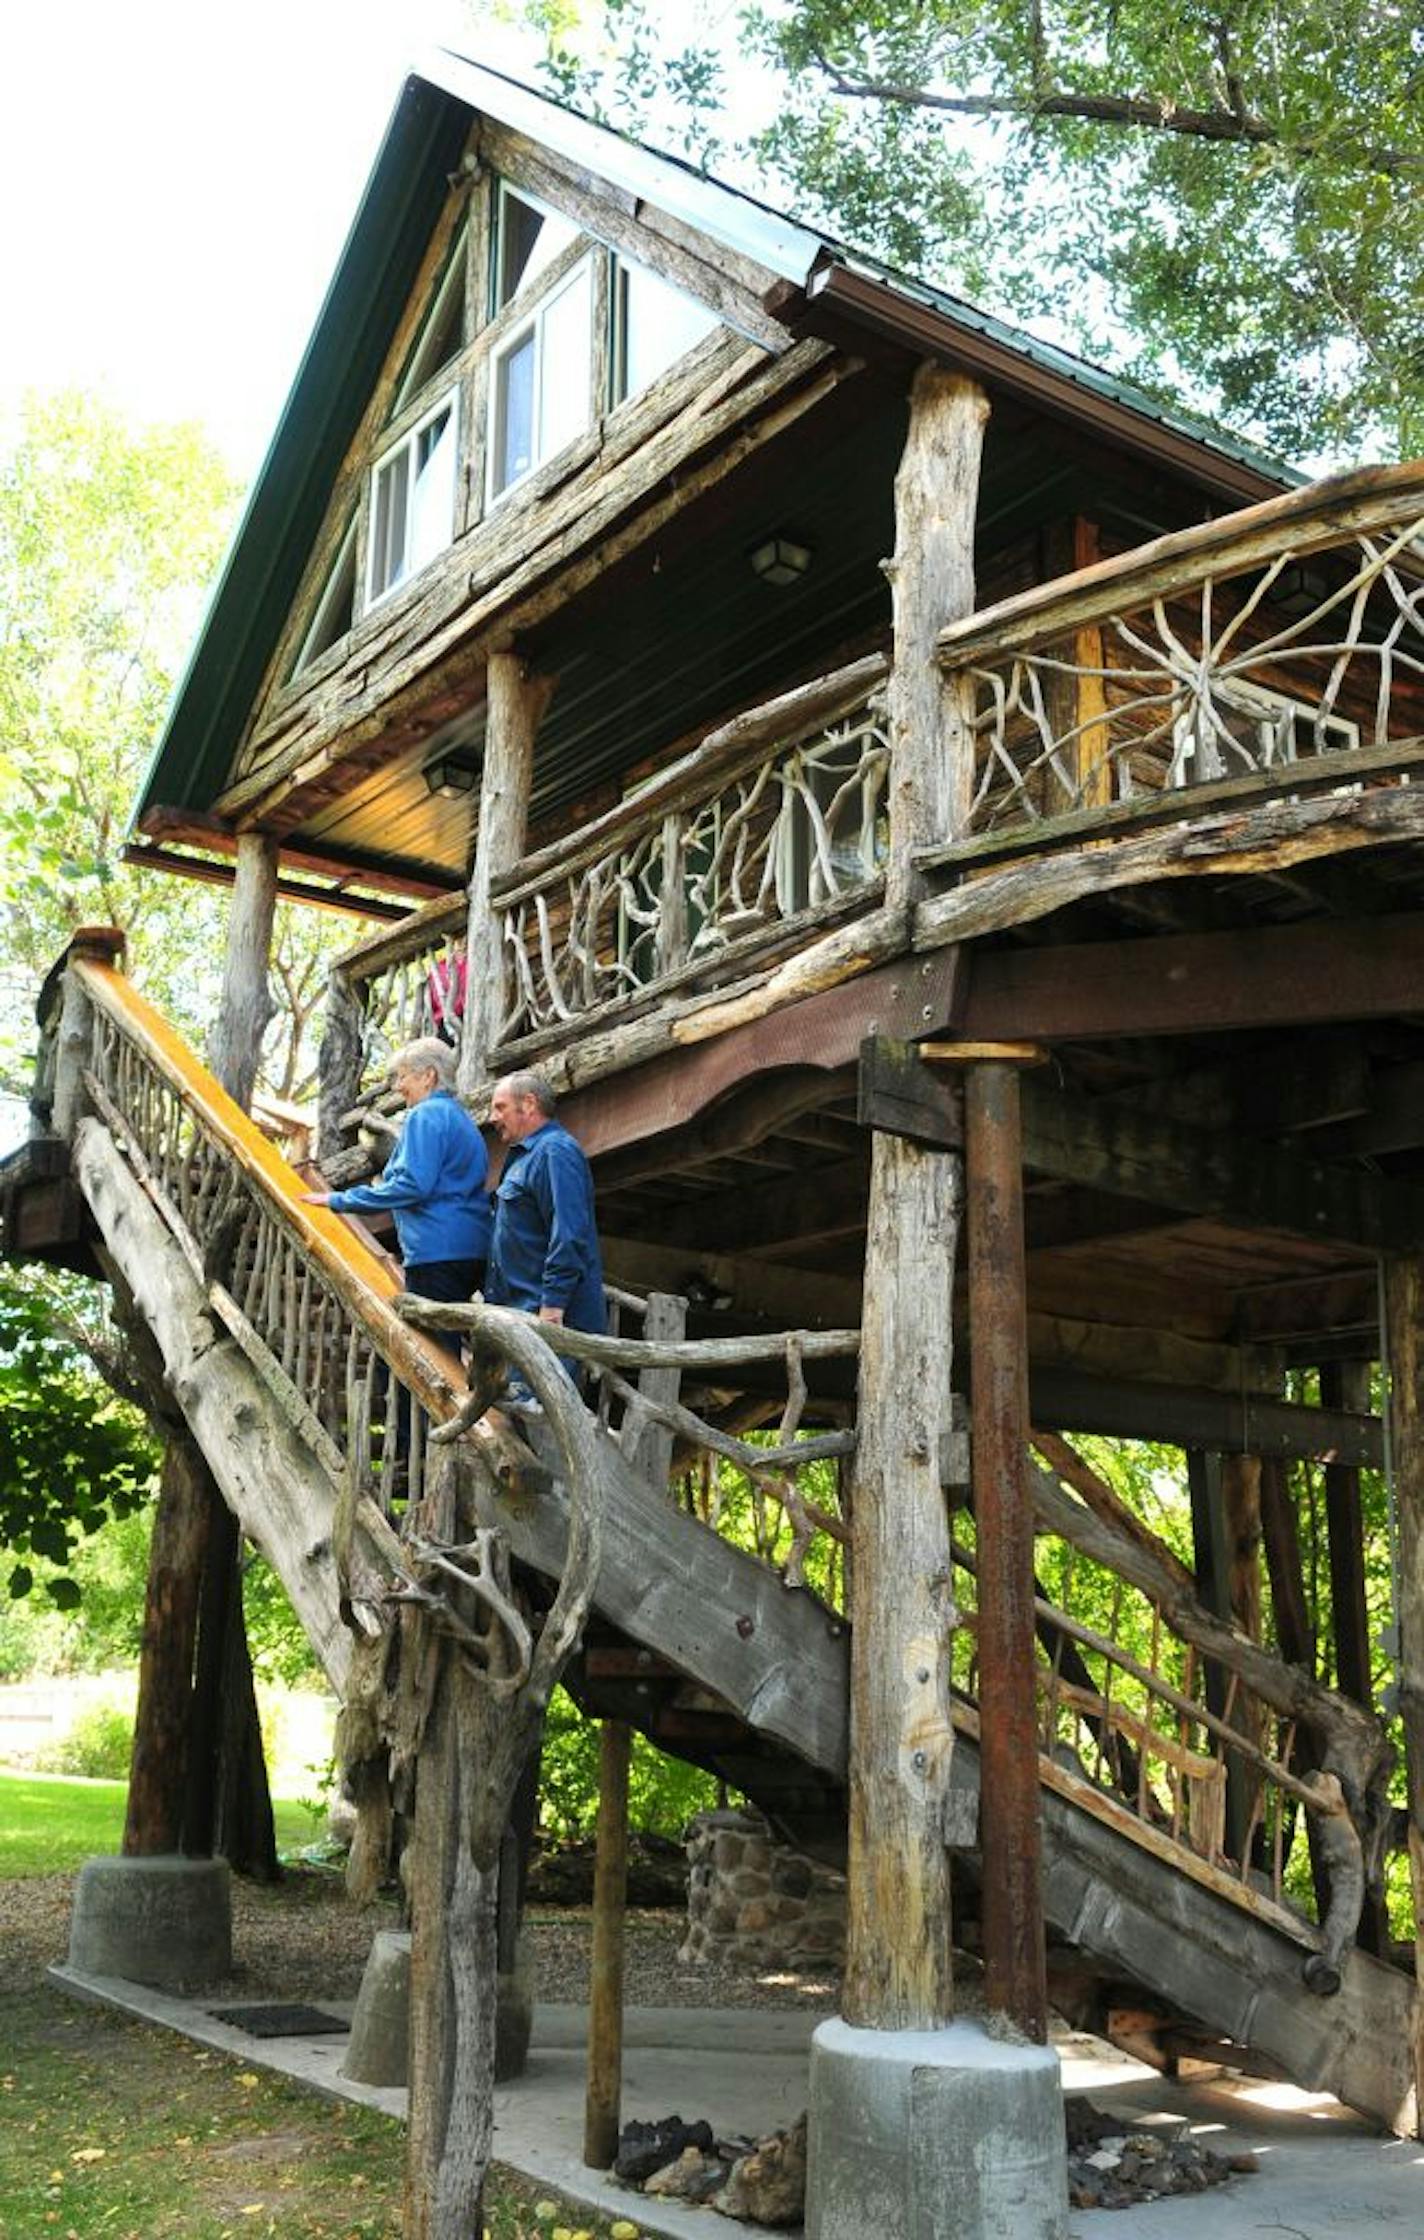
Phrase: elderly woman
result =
(434, 1181)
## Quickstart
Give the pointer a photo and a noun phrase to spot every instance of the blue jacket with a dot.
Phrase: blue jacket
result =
(434, 1184)
(544, 1252)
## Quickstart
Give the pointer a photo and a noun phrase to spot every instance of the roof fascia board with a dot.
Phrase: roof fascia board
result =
(1038, 370)
(725, 216)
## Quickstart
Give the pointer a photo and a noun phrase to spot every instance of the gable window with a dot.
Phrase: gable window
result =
(528, 238)
(442, 331)
(655, 324)
(542, 381)
(334, 610)
(413, 500)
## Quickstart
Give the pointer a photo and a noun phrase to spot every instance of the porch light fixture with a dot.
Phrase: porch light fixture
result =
(780, 560)
(448, 778)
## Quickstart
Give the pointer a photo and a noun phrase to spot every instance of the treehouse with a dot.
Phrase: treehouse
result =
(946, 825)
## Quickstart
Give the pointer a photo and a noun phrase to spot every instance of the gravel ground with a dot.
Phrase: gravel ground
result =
(302, 1940)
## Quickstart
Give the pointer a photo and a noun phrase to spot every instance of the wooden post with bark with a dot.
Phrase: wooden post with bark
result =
(1404, 1357)
(899, 1972)
(158, 1774)
(474, 1685)
(604, 2094)
(245, 1006)
(514, 704)
(1015, 1965)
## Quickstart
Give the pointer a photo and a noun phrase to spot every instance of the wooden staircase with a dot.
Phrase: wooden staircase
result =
(279, 1339)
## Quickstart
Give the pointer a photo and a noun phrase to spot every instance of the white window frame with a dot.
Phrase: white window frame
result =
(624, 270)
(449, 402)
(332, 598)
(508, 192)
(534, 323)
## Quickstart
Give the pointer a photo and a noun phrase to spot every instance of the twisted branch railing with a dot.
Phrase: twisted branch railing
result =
(1274, 651)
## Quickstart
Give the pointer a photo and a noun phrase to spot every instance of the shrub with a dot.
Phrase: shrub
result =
(99, 1745)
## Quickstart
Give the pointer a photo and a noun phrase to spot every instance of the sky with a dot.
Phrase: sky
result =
(176, 182)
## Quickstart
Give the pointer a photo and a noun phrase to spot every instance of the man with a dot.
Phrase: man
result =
(434, 1180)
(544, 1251)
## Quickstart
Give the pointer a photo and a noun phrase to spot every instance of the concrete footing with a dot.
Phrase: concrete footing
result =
(934, 2135)
(380, 2027)
(164, 1921)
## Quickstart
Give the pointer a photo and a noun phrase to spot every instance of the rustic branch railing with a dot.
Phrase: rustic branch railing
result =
(310, 1310)
(772, 827)
(767, 827)
(1275, 651)
(1137, 1729)
(1122, 1684)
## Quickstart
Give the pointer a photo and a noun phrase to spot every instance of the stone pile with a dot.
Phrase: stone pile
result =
(1112, 2165)
(761, 2181)
(756, 1903)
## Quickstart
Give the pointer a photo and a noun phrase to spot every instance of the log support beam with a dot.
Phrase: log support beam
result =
(899, 1973)
(1404, 1340)
(514, 704)
(604, 2093)
(1015, 1978)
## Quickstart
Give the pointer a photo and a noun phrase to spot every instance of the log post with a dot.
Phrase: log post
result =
(648, 1444)
(1404, 1358)
(1015, 1969)
(514, 704)
(1346, 1384)
(899, 1973)
(603, 2098)
(228, 1806)
(158, 1776)
(246, 1005)
(341, 1062)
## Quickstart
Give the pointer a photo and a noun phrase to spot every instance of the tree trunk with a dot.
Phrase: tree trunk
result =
(231, 1810)
(158, 1777)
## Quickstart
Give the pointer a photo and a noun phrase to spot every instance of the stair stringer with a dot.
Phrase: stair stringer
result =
(270, 1476)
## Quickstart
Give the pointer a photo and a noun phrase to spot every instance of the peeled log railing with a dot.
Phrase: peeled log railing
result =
(1275, 651)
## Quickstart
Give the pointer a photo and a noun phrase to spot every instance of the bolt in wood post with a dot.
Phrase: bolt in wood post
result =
(1014, 1962)
(603, 2097)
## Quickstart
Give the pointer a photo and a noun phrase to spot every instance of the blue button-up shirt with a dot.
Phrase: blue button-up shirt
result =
(544, 1252)
(433, 1183)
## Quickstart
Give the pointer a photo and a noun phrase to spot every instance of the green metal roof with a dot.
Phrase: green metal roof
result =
(377, 269)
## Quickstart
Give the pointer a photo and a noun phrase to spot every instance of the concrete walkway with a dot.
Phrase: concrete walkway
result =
(1324, 2174)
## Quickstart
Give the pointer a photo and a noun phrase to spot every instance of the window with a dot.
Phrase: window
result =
(541, 390)
(655, 325)
(443, 330)
(528, 238)
(334, 609)
(413, 500)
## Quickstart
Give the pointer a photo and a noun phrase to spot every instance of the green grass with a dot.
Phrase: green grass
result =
(113, 2131)
(51, 1826)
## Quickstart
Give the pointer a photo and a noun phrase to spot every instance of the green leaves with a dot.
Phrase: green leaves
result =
(72, 1457)
(1223, 203)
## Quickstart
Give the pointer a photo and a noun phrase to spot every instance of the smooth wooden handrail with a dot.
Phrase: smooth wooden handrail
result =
(1370, 501)
(364, 1284)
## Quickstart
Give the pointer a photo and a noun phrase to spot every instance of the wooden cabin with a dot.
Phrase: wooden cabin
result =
(946, 824)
